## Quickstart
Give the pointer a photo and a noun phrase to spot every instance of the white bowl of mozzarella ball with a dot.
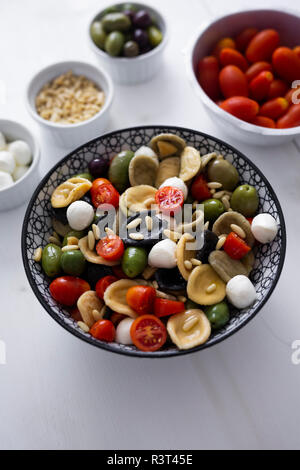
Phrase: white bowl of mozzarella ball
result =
(19, 158)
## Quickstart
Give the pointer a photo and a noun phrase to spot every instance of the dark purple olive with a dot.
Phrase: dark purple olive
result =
(98, 166)
(130, 14)
(145, 49)
(141, 37)
(142, 19)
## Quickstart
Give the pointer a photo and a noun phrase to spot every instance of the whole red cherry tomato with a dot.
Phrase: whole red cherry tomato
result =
(277, 88)
(165, 307)
(117, 317)
(293, 95)
(262, 46)
(256, 68)
(67, 289)
(291, 118)
(241, 107)
(103, 330)
(297, 50)
(233, 57)
(110, 248)
(260, 85)
(222, 43)
(199, 189)
(286, 63)
(141, 299)
(103, 284)
(104, 194)
(148, 333)
(243, 39)
(169, 199)
(264, 121)
(274, 108)
(208, 76)
(235, 246)
(233, 82)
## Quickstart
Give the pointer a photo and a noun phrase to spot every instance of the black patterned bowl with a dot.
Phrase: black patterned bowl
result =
(37, 228)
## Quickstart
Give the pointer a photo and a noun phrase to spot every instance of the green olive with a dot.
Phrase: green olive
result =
(223, 172)
(131, 49)
(51, 260)
(73, 262)
(129, 7)
(134, 261)
(155, 36)
(87, 176)
(98, 34)
(74, 233)
(218, 315)
(118, 170)
(112, 9)
(114, 43)
(245, 200)
(213, 208)
(116, 22)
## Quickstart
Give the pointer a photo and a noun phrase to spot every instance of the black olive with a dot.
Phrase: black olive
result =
(170, 279)
(87, 198)
(150, 237)
(60, 214)
(209, 245)
(93, 272)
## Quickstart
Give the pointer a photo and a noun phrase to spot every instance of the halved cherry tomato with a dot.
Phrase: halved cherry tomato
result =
(277, 88)
(274, 108)
(243, 39)
(104, 194)
(103, 284)
(233, 82)
(264, 121)
(260, 85)
(103, 330)
(164, 307)
(199, 189)
(148, 333)
(224, 42)
(235, 246)
(233, 57)
(262, 46)
(141, 299)
(208, 76)
(286, 63)
(256, 68)
(241, 107)
(291, 118)
(110, 248)
(169, 199)
(67, 289)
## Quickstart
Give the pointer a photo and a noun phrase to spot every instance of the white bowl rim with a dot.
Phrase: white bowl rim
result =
(69, 64)
(138, 58)
(243, 125)
(35, 154)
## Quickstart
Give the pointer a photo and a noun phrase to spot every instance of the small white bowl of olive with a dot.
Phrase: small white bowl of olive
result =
(129, 40)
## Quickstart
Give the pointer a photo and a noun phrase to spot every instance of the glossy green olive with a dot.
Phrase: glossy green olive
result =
(72, 262)
(114, 43)
(218, 315)
(118, 170)
(131, 49)
(134, 261)
(116, 22)
(223, 172)
(155, 36)
(51, 260)
(98, 34)
(213, 208)
(245, 200)
(74, 233)
(87, 176)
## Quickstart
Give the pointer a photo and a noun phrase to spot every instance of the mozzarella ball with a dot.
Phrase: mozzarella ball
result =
(163, 254)
(21, 152)
(240, 291)
(123, 331)
(7, 162)
(2, 141)
(19, 171)
(5, 180)
(176, 183)
(264, 228)
(80, 215)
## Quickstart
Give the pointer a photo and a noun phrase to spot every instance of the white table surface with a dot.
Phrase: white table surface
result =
(57, 392)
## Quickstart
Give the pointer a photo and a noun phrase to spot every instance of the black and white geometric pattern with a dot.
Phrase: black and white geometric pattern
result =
(37, 226)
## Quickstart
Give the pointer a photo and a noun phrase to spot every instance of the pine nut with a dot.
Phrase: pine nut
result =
(225, 202)
(37, 256)
(189, 323)
(221, 241)
(196, 262)
(134, 223)
(72, 241)
(163, 295)
(54, 240)
(188, 265)
(172, 235)
(206, 225)
(219, 194)
(103, 311)
(238, 230)
(109, 232)
(155, 284)
(136, 236)
(181, 298)
(91, 240)
(212, 191)
(70, 247)
(149, 223)
(211, 288)
(148, 272)
(214, 185)
(96, 231)
(83, 326)
(96, 315)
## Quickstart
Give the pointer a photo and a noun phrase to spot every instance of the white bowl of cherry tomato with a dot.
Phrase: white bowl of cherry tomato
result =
(244, 67)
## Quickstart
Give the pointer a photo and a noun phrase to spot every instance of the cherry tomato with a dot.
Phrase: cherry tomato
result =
(103, 330)
(141, 299)
(224, 42)
(243, 39)
(286, 63)
(260, 85)
(256, 68)
(241, 107)
(291, 118)
(148, 333)
(110, 248)
(262, 46)
(117, 317)
(119, 273)
(67, 289)
(277, 88)
(297, 50)
(103, 284)
(208, 76)
(232, 57)
(169, 199)
(104, 194)
(233, 82)
(235, 246)
(264, 121)
(292, 95)
(274, 108)
(250, 219)
(199, 190)
(75, 314)
(164, 307)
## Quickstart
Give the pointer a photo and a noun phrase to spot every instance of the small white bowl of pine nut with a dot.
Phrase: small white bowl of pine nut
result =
(70, 101)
